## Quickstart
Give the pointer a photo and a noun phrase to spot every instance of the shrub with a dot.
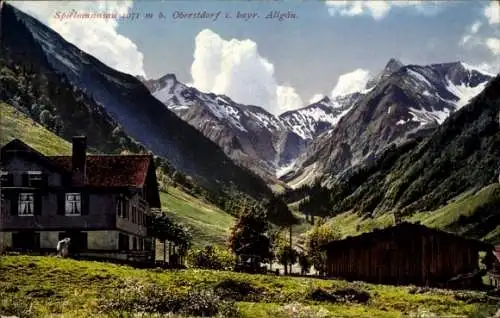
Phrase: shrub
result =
(211, 257)
(231, 289)
(298, 310)
(228, 309)
(133, 297)
(348, 294)
(149, 298)
(353, 295)
(470, 297)
(202, 303)
(11, 305)
(320, 294)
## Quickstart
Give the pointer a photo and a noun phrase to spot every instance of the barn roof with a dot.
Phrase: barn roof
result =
(402, 228)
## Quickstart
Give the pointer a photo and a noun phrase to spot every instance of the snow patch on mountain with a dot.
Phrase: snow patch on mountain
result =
(304, 122)
(283, 170)
(419, 77)
(424, 116)
(464, 92)
(471, 69)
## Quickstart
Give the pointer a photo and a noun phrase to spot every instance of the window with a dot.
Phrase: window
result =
(73, 204)
(134, 244)
(126, 207)
(34, 179)
(6, 179)
(119, 207)
(134, 213)
(2, 203)
(26, 204)
(141, 244)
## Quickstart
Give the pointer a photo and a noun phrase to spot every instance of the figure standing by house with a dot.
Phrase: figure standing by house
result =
(63, 247)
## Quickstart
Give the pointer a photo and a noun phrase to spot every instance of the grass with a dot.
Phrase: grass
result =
(14, 124)
(58, 287)
(464, 205)
(209, 224)
(445, 217)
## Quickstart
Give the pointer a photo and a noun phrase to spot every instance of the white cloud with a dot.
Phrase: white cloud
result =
(494, 45)
(96, 36)
(465, 39)
(352, 82)
(287, 98)
(475, 27)
(316, 98)
(379, 9)
(236, 69)
(475, 39)
(469, 37)
(492, 12)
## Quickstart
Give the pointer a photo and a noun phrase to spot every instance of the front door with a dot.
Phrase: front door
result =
(26, 241)
(78, 241)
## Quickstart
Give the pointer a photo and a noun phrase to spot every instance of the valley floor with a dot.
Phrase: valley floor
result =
(55, 287)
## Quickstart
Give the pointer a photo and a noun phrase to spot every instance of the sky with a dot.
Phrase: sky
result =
(317, 49)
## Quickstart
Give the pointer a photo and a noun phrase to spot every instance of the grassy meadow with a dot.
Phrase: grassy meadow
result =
(54, 287)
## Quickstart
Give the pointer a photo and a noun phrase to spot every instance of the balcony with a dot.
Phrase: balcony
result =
(143, 206)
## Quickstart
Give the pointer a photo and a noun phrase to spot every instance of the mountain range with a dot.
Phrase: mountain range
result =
(447, 179)
(333, 134)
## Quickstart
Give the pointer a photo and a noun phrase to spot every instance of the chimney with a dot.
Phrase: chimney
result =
(79, 159)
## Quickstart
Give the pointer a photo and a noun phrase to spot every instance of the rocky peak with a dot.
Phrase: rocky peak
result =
(393, 65)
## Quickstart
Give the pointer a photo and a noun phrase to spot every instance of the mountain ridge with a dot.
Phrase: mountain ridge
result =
(410, 103)
(274, 146)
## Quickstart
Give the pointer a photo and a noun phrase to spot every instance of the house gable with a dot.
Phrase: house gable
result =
(17, 158)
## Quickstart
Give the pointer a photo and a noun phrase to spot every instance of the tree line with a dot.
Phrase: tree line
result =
(252, 243)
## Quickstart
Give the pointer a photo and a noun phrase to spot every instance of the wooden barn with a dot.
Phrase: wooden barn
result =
(407, 254)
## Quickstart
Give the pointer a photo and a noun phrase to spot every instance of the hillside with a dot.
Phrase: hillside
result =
(48, 286)
(14, 124)
(466, 215)
(462, 156)
(209, 225)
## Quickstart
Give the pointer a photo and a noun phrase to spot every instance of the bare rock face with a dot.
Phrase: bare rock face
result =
(249, 134)
(408, 103)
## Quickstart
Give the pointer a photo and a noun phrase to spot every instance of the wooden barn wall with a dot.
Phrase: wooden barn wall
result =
(402, 258)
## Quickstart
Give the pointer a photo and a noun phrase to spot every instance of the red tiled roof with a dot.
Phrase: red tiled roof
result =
(111, 170)
(496, 252)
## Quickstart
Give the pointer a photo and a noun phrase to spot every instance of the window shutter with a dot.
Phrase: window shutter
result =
(85, 202)
(13, 196)
(26, 180)
(45, 180)
(7, 179)
(61, 204)
(38, 203)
